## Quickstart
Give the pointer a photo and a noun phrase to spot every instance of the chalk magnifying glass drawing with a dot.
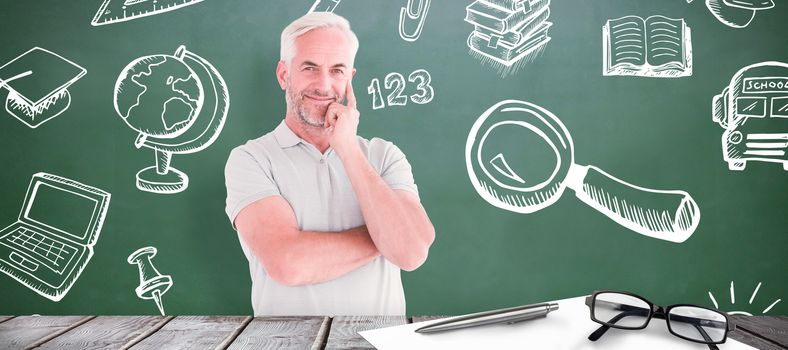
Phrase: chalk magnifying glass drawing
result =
(520, 157)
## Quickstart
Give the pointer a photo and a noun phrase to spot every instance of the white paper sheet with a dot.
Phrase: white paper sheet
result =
(566, 328)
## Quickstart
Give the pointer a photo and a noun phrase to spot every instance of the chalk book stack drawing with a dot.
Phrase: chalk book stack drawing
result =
(507, 30)
(658, 47)
(52, 241)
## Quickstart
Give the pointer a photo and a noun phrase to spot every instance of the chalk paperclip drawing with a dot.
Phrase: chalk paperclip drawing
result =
(52, 240)
(753, 110)
(114, 11)
(508, 33)
(415, 11)
(520, 158)
(37, 82)
(178, 104)
(733, 301)
(658, 46)
(153, 284)
(324, 5)
(737, 13)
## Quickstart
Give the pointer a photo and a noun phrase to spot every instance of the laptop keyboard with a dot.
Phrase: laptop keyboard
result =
(40, 246)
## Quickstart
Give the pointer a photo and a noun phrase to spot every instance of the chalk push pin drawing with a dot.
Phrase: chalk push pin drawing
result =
(520, 158)
(152, 283)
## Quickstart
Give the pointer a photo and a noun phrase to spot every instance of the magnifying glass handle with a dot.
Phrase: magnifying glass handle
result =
(671, 215)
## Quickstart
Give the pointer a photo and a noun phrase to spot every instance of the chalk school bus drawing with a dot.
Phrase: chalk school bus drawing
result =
(753, 110)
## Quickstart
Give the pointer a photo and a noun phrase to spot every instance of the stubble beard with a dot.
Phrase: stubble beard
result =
(309, 115)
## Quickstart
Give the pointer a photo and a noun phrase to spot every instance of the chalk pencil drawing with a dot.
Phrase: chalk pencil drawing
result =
(115, 11)
(324, 5)
(508, 34)
(153, 284)
(505, 157)
(737, 13)
(52, 241)
(178, 104)
(733, 301)
(37, 82)
(415, 11)
(657, 46)
(753, 110)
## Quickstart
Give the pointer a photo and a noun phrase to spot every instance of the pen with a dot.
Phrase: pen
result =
(508, 315)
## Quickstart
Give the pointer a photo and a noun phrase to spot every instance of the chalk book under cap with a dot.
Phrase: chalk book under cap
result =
(42, 93)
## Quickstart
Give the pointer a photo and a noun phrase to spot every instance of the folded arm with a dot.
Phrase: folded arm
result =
(293, 257)
(396, 220)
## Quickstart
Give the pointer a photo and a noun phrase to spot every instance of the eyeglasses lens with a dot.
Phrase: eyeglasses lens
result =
(697, 323)
(621, 310)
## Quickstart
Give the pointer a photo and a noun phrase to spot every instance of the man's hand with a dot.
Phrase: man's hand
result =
(342, 121)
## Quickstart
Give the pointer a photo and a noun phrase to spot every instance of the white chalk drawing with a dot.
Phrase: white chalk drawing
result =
(153, 284)
(750, 109)
(178, 104)
(752, 298)
(737, 13)
(508, 33)
(52, 240)
(37, 82)
(324, 5)
(415, 11)
(521, 180)
(658, 46)
(395, 83)
(114, 11)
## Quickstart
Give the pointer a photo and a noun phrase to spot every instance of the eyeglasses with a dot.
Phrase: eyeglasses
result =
(623, 310)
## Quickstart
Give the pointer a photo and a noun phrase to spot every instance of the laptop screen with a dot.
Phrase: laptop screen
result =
(62, 209)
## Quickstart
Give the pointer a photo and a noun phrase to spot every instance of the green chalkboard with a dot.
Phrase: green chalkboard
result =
(648, 126)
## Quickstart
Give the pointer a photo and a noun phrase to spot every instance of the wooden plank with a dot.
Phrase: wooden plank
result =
(195, 332)
(344, 330)
(763, 332)
(107, 332)
(427, 318)
(285, 332)
(25, 332)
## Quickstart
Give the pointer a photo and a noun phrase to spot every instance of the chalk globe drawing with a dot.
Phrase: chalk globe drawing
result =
(178, 104)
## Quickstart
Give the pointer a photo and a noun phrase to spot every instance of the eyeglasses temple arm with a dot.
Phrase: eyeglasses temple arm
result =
(634, 311)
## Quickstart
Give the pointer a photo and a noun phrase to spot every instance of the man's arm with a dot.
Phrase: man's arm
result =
(396, 221)
(293, 257)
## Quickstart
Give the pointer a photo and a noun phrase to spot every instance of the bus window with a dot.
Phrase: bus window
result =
(780, 107)
(751, 107)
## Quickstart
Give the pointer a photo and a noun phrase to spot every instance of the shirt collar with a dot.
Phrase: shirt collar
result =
(285, 136)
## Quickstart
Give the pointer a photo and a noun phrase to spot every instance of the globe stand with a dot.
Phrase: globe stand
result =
(162, 178)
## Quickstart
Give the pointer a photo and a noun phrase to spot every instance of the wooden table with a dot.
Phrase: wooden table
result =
(245, 332)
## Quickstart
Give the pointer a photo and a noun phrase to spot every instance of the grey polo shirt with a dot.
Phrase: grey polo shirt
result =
(319, 191)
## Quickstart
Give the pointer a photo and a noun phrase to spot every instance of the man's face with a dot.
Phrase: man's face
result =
(317, 74)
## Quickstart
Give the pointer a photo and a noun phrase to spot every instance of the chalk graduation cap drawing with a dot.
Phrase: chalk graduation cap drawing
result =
(37, 82)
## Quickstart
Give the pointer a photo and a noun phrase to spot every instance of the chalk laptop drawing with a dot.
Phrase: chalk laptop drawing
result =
(50, 244)
(658, 46)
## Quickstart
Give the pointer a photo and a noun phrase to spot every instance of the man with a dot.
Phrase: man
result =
(326, 218)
